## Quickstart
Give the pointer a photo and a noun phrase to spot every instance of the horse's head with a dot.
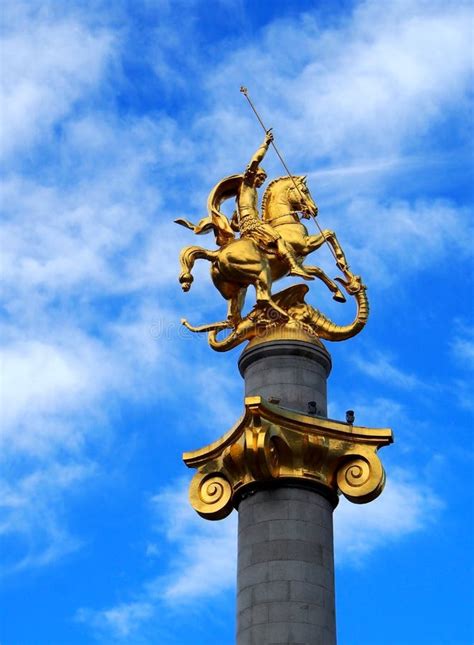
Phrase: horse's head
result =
(300, 198)
(285, 195)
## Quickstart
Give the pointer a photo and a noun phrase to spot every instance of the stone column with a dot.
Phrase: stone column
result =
(285, 574)
(285, 578)
(282, 465)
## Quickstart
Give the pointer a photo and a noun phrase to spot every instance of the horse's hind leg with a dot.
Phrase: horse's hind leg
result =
(233, 292)
(330, 284)
(235, 306)
(263, 285)
(187, 258)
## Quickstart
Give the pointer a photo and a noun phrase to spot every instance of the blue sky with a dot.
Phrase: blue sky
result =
(119, 117)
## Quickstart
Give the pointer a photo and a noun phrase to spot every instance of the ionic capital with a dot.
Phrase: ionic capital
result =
(271, 445)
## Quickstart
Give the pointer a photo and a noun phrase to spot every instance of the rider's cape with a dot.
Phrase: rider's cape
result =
(215, 220)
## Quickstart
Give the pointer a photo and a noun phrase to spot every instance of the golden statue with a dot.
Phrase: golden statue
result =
(271, 442)
(249, 223)
(267, 248)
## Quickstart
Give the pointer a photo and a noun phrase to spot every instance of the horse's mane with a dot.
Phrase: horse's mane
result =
(270, 187)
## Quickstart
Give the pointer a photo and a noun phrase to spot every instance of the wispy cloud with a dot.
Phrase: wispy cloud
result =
(77, 234)
(202, 566)
(395, 240)
(120, 621)
(377, 411)
(43, 383)
(47, 80)
(371, 85)
(462, 345)
(462, 351)
(405, 507)
(29, 515)
(373, 166)
(380, 367)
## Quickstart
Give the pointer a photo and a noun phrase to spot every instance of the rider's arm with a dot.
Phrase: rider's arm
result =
(259, 155)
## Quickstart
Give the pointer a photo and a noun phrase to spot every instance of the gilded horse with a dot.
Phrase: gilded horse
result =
(241, 262)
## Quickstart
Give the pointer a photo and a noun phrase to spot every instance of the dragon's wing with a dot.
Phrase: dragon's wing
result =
(291, 296)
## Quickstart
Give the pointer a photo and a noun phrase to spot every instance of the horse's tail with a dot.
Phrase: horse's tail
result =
(187, 257)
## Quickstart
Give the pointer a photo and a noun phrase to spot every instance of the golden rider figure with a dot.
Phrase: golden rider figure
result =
(249, 222)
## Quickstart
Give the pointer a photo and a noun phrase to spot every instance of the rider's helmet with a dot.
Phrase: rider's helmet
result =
(260, 175)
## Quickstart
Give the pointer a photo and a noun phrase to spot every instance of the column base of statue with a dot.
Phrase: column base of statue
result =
(287, 367)
(283, 466)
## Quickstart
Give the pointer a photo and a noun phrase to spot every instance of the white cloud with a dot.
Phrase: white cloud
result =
(405, 507)
(376, 412)
(48, 65)
(223, 398)
(121, 620)
(64, 363)
(36, 377)
(462, 345)
(462, 351)
(202, 566)
(68, 244)
(369, 86)
(380, 367)
(51, 389)
(391, 240)
(29, 515)
(59, 393)
(59, 240)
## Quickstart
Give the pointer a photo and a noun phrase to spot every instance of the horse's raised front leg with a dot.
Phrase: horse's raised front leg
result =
(340, 256)
(330, 284)
(314, 242)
